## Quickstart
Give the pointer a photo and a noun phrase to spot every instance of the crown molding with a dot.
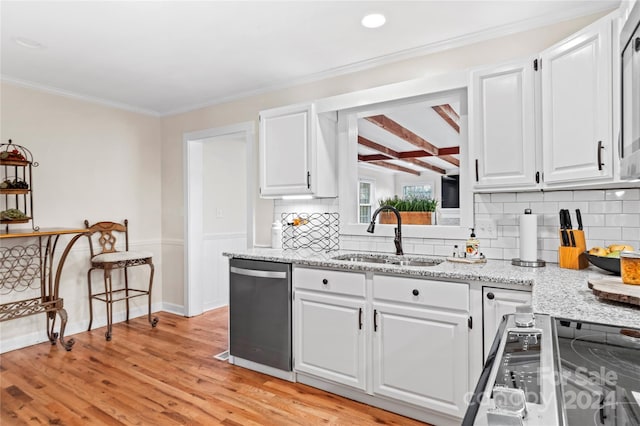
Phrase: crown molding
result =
(72, 95)
(589, 8)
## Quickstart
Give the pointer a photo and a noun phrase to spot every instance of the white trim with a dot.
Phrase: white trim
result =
(78, 326)
(173, 308)
(173, 242)
(428, 49)
(229, 236)
(194, 236)
(78, 96)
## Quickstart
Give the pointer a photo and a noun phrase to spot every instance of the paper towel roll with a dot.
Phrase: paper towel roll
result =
(528, 236)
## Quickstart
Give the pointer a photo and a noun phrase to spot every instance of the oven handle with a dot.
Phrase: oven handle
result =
(257, 274)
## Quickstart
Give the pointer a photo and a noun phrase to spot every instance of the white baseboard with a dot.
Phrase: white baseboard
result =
(172, 308)
(73, 327)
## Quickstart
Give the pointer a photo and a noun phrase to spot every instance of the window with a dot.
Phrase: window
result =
(365, 196)
(417, 191)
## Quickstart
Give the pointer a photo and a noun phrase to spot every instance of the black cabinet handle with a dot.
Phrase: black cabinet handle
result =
(637, 44)
(600, 148)
(375, 320)
(308, 180)
(537, 177)
(325, 281)
(490, 296)
(601, 411)
(360, 319)
(415, 292)
(477, 175)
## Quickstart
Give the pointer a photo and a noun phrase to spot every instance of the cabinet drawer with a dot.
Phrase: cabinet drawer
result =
(421, 292)
(349, 283)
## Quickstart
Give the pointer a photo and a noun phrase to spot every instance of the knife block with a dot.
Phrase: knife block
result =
(573, 257)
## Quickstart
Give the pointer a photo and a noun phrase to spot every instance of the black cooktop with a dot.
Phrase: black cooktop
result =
(599, 373)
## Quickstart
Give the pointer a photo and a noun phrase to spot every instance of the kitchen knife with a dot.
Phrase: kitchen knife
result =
(567, 223)
(567, 219)
(579, 219)
(563, 229)
(565, 238)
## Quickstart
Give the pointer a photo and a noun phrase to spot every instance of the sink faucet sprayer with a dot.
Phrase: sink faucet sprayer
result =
(398, 231)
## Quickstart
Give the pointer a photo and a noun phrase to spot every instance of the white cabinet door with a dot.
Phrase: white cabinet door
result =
(329, 337)
(502, 123)
(421, 356)
(285, 144)
(577, 106)
(498, 302)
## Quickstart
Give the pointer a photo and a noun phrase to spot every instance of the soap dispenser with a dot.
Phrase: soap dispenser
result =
(472, 246)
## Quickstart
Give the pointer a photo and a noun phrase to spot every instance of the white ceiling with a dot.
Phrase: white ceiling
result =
(162, 57)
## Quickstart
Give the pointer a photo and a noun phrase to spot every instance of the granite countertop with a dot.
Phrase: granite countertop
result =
(562, 293)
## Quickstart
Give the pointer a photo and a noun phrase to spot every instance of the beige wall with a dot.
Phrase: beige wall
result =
(173, 127)
(98, 162)
(95, 163)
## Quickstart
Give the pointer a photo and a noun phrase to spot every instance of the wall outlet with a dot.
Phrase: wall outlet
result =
(486, 228)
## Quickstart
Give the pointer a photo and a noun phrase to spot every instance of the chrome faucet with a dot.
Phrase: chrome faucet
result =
(398, 231)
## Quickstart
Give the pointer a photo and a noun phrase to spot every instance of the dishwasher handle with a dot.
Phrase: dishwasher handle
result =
(256, 273)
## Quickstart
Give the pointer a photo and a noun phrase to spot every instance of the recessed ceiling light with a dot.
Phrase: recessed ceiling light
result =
(29, 44)
(373, 20)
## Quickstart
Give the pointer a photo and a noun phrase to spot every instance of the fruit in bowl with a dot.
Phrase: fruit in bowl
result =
(608, 258)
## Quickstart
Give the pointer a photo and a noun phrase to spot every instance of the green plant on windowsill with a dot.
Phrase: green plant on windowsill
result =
(410, 204)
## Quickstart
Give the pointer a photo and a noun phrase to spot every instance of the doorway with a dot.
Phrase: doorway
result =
(219, 180)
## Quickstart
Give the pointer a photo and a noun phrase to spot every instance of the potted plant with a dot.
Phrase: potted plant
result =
(413, 210)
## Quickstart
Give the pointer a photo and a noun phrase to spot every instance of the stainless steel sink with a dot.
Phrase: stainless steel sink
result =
(388, 260)
(413, 262)
(366, 259)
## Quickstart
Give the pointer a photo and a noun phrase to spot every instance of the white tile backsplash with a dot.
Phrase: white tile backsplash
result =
(609, 217)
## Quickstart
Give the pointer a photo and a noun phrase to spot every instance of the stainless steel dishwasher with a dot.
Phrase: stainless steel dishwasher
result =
(260, 316)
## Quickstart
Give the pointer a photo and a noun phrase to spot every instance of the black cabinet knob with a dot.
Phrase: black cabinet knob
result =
(490, 296)
(415, 292)
(325, 281)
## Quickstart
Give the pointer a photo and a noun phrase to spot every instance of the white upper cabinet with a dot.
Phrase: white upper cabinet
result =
(297, 152)
(502, 123)
(577, 106)
(545, 125)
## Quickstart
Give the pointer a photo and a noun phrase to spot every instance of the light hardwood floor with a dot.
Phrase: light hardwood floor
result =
(161, 376)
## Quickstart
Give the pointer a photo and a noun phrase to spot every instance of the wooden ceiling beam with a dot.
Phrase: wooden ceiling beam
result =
(414, 154)
(450, 159)
(398, 130)
(425, 165)
(449, 115)
(373, 157)
(395, 167)
(377, 147)
(449, 151)
(388, 153)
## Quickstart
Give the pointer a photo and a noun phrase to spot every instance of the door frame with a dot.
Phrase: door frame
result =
(193, 206)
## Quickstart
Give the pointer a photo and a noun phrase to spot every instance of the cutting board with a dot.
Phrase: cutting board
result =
(612, 288)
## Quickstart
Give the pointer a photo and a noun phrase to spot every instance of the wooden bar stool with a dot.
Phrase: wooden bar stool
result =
(108, 259)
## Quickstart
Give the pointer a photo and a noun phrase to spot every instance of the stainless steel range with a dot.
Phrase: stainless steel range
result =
(548, 371)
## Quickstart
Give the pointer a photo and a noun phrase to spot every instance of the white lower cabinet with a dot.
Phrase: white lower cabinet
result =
(392, 338)
(329, 335)
(330, 342)
(421, 342)
(497, 302)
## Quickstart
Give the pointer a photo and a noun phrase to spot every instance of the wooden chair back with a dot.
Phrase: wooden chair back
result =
(107, 235)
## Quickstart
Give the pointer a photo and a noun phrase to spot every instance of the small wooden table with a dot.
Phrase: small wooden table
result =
(30, 266)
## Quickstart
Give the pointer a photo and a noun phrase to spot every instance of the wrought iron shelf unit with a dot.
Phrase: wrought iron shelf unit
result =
(16, 185)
